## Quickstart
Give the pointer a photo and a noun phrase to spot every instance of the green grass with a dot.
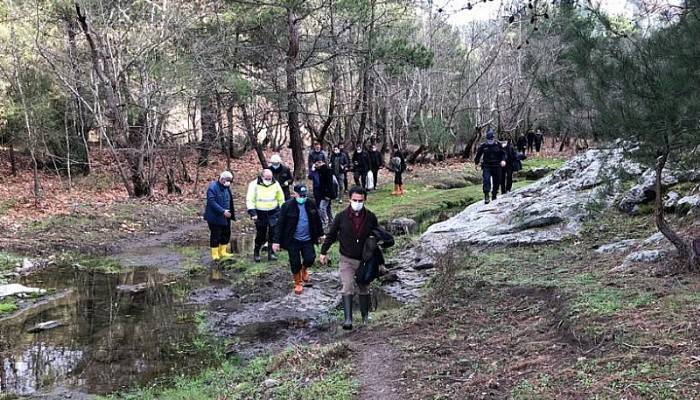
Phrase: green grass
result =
(313, 372)
(7, 306)
(540, 162)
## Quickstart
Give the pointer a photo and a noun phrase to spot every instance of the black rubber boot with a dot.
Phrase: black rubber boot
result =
(256, 254)
(494, 196)
(487, 200)
(364, 307)
(271, 256)
(347, 309)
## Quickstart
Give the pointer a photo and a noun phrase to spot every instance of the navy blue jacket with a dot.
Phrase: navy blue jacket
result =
(219, 199)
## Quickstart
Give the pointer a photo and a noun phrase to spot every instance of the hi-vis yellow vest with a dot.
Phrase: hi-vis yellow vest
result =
(264, 198)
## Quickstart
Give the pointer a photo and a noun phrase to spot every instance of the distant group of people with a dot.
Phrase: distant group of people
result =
(531, 142)
(498, 161)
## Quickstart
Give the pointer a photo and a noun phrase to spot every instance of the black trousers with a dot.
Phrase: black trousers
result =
(506, 179)
(361, 179)
(300, 254)
(345, 180)
(219, 234)
(375, 174)
(538, 145)
(398, 178)
(264, 228)
(492, 178)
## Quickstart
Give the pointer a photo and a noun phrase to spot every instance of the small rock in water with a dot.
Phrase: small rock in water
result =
(137, 288)
(27, 264)
(44, 326)
(423, 266)
(270, 383)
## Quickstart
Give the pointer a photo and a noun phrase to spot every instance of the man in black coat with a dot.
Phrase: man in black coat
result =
(340, 164)
(494, 160)
(530, 142)
(360, 166)
(507, 171)
(282, 174)
(297, 230)
(351, 227)
(376, 162)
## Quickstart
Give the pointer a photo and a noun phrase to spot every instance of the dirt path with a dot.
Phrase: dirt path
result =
(378, 369)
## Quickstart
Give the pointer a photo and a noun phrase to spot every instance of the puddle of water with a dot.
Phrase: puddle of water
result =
(110, 340)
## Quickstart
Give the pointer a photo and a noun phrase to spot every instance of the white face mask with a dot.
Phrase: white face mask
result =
(227, 184)
(275, 165)
(356, 206)
(267, 182)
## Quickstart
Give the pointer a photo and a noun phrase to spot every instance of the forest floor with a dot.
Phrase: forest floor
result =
(519, 323)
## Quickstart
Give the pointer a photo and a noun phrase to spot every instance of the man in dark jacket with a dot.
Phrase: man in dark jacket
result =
(340, 163)
(360, 166)
(281, 173)
(341, 147)
(351, 228)
(494, 160)
(507, 171)
(398, 165)
(218, 213)
(522, 143)
(328, 192)
(316, 158)
(530, 141)
(376, 162)
(539, 140)
(298, 229)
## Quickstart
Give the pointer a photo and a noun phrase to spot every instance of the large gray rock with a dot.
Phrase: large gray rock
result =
(14, 289)
(671, 200)
(617, 247)
(645, 190)
(549, 210)
(688, 204)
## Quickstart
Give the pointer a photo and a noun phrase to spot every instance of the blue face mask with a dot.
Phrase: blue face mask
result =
(301, 200)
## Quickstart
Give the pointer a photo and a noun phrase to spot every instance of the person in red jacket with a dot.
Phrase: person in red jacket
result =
(351, 227)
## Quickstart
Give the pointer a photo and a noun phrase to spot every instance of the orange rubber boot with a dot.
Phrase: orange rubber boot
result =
(305, 275)
(298, 288)
(396, 190)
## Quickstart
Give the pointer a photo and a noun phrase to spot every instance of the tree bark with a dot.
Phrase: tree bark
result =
(686, 251)
(295, 139)
(13, 161)
(252, 135)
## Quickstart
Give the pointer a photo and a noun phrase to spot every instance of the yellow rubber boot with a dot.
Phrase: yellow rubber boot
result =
(223, 253)
(215, 253)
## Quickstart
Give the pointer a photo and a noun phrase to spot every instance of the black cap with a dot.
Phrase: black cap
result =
(301, 190)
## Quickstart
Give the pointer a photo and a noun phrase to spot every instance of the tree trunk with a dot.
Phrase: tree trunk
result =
(13, 161)
(253, 136)
(208, 120)
(687, 252)
(295, 139)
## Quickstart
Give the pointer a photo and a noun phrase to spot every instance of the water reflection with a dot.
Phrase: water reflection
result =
(112, 339)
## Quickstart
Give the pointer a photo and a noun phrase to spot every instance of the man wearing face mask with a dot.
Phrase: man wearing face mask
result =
(376, 161)
(360, 167)
(345, 154)
(351, 227)
(298, 229)
(281, 173)
(315, 159)
(340, 164)
(218, 213)
(494, 161)
(263, 201)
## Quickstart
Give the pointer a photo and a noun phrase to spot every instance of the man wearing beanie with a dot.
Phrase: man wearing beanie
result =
(494, 161)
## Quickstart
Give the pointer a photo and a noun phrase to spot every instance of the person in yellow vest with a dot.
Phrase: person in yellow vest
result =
(263, 201)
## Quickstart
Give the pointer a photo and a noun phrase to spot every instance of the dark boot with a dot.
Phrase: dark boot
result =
(487, 200)
(364, 307)
(494, 195)
(256, 254)
(347, 308)
(271, 256)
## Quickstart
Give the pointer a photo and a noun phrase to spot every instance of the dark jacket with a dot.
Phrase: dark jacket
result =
(219, 199)
(283, 175)
(493, 154)
(360, 162)
(341, 230)
(401, 165)
(316, 156)
(289, 218)
(522, 143)
(376, 160)
(328, 189)
(372, 256)
(511, 155)
(340, 162)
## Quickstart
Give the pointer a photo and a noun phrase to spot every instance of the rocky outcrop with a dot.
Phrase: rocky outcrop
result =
(549, 210)
(402, 226)
(645, 190)
(688, 204)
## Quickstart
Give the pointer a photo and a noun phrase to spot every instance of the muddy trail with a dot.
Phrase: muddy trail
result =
(100, 332)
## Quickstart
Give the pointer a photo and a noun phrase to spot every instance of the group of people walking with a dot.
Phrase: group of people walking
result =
(288, 216)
